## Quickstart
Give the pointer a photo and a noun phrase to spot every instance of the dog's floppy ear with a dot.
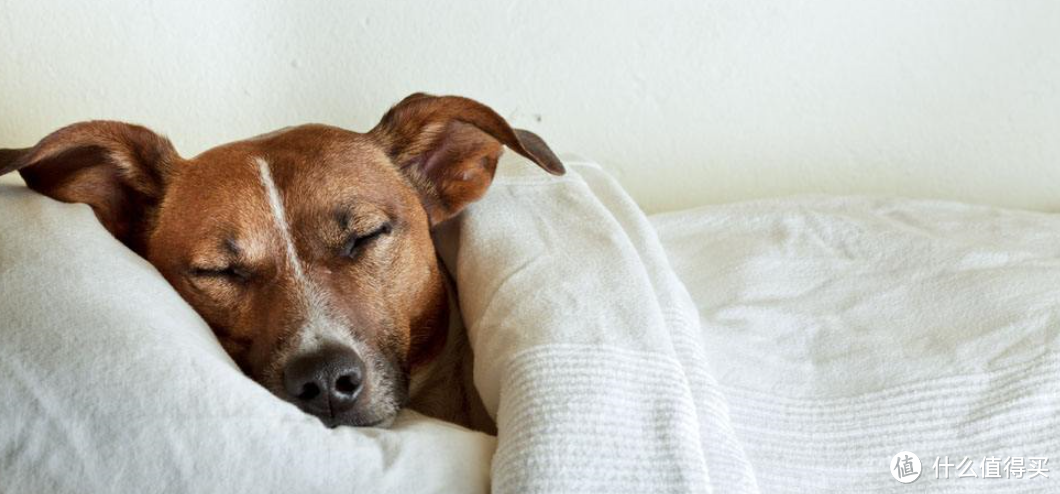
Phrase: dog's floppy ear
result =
(116, 168)
(448, 147)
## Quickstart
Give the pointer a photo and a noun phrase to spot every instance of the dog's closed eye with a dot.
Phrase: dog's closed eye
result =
(355, 243)
(231, 273)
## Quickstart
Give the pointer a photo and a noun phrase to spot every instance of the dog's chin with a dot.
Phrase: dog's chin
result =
(367, 416)
(383, 423)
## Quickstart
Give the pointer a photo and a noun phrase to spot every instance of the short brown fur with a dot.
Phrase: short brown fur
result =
(204, 223)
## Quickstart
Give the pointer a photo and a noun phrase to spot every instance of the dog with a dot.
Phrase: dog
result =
(307, 250)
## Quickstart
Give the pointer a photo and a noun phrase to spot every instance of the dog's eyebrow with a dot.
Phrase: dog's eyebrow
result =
(342, 216)
(355, 217)
(217, 255)
(232, 247)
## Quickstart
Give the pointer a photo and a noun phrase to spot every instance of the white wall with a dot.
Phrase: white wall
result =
(688, 102)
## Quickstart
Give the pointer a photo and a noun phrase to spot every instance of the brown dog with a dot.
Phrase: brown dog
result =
(307, 250)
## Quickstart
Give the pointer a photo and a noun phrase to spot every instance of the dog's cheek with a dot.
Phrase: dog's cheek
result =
(235, 348)
(391, 388)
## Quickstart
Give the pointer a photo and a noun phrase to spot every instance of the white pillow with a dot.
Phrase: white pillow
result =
(111, 383)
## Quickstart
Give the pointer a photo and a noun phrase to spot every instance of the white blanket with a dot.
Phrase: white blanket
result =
(846, 330)
(831, 334)
(588, 347)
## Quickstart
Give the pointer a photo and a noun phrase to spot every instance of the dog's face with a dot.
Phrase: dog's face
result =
(314, 256)
(307, 250)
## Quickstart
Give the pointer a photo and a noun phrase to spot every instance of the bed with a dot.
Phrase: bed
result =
(787, 345)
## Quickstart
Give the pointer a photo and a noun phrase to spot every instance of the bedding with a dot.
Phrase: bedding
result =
(587, 346)
(812, 339)
(792, 345)
(844, 330)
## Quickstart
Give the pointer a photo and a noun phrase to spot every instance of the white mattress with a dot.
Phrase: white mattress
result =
(845, 330)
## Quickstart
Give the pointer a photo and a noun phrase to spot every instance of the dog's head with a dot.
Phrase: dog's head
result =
(307, 250)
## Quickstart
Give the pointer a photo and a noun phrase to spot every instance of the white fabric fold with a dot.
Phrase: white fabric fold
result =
(587, 345)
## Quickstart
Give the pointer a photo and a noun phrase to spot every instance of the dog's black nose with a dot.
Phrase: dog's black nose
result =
(325, 382)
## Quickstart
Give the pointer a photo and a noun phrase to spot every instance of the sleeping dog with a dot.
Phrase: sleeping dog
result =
(307, 250)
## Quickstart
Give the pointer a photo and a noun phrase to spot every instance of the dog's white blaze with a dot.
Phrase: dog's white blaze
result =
(279, 216)
(319, 325)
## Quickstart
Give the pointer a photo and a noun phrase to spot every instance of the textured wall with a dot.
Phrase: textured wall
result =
(688, 102)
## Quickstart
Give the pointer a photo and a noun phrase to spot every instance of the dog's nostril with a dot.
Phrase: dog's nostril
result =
(346, 384)
(309, 391)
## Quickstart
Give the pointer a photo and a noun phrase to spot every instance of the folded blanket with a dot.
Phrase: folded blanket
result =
(587, 346)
